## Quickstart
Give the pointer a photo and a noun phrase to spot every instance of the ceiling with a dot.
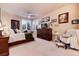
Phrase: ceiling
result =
(34, 10)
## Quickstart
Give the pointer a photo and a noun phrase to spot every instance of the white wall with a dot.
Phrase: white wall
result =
(0, 13)
(73, 14)
(6, 18)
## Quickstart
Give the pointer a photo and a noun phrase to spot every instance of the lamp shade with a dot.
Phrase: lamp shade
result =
(1, 28)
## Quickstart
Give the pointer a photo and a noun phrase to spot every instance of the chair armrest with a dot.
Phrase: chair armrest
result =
(66, 36)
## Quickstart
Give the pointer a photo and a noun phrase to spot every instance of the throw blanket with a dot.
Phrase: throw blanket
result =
(74, 41)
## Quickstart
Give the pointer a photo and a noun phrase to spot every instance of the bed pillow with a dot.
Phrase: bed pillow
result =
(18, 31)
(15, 31)
(12, 31)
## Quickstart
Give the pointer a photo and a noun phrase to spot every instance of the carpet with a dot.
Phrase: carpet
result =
(41, 47)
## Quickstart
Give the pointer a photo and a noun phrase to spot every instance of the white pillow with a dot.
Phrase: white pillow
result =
(18, 31)
(12, 31)
(7, 31)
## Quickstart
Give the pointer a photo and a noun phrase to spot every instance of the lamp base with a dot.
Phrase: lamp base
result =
(0, 32)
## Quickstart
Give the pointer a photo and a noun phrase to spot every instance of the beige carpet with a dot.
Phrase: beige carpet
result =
(41, 47)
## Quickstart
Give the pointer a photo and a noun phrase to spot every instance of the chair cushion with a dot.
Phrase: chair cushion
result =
(66, 35)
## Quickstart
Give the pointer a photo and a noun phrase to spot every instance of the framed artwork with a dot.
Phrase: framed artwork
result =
(75, 21)
(63, 18)
(46, 19)
(15, 24)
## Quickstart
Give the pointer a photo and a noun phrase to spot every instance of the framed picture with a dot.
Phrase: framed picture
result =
(46, 19)
(75, 21)
(15, 24)
(63, 18)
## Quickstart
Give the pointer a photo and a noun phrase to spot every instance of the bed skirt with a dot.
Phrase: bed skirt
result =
(20, 42)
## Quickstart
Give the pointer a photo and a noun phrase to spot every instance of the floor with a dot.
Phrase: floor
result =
(41, 47)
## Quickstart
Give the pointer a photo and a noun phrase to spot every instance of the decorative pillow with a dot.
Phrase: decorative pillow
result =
(15, 31)
(25, 31)
(18, 31)
(7, 31)
(11, 31)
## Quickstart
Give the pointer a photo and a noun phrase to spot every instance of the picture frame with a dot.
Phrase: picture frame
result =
(46, 19)
(15, 24)
(76, 21)
(63, 18)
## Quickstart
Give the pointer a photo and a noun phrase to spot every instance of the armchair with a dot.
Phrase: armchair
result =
(65, 38)
(72, 38)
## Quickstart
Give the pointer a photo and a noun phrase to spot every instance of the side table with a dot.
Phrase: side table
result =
(4, 49)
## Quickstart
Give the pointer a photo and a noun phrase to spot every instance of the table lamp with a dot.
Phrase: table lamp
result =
(1, 29)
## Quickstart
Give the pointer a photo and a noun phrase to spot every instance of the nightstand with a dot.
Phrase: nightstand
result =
(4, 49)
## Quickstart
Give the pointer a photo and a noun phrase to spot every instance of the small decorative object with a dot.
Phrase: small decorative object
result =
(1, 28)
(4, 34)
(1, 32)
(54, 20)
(63, 18)
(44, 22)
(46, 19)
(45, 25)
(76, 21)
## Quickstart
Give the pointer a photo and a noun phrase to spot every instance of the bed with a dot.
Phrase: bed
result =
(17, 38)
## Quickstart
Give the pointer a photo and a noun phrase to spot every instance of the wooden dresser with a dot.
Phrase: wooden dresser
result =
(4, 49)
(45, 33)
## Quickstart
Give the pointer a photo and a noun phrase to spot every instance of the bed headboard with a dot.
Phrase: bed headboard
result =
(15, 24)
